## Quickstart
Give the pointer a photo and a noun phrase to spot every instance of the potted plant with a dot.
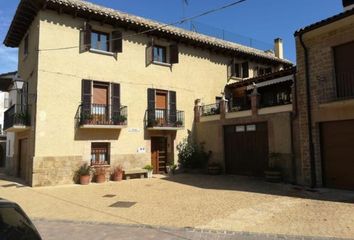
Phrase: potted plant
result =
(171, 169)
(84, 174)
(273, 174)
(86, 118)
(100, 174)
(214, 168)
(179, 123)
(117, 173)
(119, 119)
(21, 118)
(149, 168)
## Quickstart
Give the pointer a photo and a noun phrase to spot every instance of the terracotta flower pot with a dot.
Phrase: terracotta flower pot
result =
(117, 176)
(85, 180)
(100, 178)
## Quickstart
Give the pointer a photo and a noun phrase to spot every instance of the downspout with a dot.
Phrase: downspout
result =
(293, 116)
(309, 113)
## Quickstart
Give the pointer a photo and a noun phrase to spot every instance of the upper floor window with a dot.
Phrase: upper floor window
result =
(263, 70)
(160, 54)
(25, 46)
(100, 41)
(166, 55)
(344, 71)
(238, 70)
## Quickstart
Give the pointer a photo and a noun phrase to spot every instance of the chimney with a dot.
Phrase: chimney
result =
(348, 4)
(278, 48)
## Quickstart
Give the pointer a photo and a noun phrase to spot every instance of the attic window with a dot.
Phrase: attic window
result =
(100, 41)
(239, 70)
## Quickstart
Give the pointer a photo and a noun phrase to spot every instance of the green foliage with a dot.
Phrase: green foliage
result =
(119, 118)
(192, 155)
(148, 167)
(84, 170)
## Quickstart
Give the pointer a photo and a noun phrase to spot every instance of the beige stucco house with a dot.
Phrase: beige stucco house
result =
(106, 87)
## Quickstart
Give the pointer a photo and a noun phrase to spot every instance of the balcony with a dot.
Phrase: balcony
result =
(164, 119)
(99, 116)
(16, 118)
(210, 109)
(338, 88)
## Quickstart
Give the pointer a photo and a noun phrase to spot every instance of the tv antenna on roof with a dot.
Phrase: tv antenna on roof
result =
(184, 6)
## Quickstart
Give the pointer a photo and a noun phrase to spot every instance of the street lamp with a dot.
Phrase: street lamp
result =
(18, 83)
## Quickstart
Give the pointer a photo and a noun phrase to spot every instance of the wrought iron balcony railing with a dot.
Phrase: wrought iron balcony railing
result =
(164, 118)
(100, 114)
(16, 115)
(210, 109)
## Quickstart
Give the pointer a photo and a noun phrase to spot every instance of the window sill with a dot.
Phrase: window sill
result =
(162, 64)
(101, 52)
(237, 78)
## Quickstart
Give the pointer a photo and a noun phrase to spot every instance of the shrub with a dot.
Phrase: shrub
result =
(148, 167)
(191, 154)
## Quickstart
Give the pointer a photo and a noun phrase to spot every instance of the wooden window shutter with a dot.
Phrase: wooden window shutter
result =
(117, 42)
(231, 69)
(85, 38)
(86, 94)
(115, 99)
(172, 106)
(174, 58)
(151, 105)
(149, 53)
(245, 71)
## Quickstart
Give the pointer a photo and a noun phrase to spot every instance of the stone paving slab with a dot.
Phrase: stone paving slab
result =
(64, 230)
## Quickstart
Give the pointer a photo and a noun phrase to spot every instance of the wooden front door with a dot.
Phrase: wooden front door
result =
(338, 154)
(246, 149)
(159, 154)
(22, 161)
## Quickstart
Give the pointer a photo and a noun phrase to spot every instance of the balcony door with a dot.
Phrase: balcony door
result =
(100, 103)
(161, 106)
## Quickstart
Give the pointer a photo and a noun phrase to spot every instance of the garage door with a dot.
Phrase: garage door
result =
(338, 154)
(246, 149)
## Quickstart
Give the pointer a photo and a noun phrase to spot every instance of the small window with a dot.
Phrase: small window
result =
(240, 128)
(25, 47)
(100, 153)
(251, 128)
(245, 71)
(160, 54)
(237, 70)
(100, 41)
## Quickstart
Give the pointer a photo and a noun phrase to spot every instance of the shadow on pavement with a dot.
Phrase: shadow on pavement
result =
(257, 185)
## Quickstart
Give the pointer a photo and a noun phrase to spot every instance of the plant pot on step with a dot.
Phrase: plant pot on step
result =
(100, 174)
(117, 173)
(84, 179)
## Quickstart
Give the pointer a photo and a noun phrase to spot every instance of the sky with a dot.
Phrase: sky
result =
(260, 20)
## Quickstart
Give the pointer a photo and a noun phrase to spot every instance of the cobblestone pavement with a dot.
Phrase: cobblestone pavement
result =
(232, 203)
(63, 230)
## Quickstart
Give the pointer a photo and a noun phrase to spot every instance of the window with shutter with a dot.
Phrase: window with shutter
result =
(115, 99)
(174, 54)
(159, 54)
(86, 98)
(151, 105)
(344, 70)
(172, 107)
(86, 38)
(245, 71)
(117, 41)
(149, 54)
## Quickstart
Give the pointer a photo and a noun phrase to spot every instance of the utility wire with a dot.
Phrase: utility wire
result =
(158, 27)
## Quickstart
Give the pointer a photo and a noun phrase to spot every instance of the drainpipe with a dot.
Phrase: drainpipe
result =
(293, 116)
(309, 113)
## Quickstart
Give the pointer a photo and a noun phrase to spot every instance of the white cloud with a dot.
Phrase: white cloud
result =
(8, 59)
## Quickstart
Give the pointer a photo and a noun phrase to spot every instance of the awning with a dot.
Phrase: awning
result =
(271, 82)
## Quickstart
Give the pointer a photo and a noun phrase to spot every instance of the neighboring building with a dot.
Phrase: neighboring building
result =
(254, 120)
(100, 91)
(6, 100)
(325, 86)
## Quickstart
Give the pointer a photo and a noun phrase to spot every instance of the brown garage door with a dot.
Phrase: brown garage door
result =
(246, 149)
(338, 154)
